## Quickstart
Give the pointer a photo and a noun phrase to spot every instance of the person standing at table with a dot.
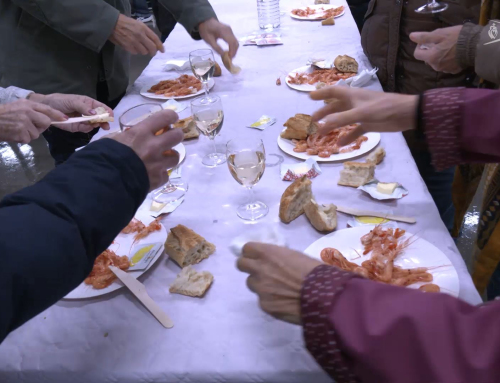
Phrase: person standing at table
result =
(82, 47)
(386, 42)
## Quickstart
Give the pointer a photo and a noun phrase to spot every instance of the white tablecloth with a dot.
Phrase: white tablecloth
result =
(223, 337)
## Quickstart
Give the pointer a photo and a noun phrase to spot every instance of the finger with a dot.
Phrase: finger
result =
(141, 48)
(104, 126)
(51, 113)
(338, 92)
(328, 109)
(40, 120)
(150, 45)
(156, 41)
(352, 135)
(423, 54)
(171, 159)
(168, 140)
(24, 137)
(247, 265)
(157, 121)
(212, 41)
(425, 37)
(338, 120)
(252, 283)
(228, 36)
(33, 132)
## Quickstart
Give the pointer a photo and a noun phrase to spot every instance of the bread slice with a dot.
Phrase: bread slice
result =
(376, 156)
(186, 247)
(228, 63)
(322, 217)
(294, 199)
(217, 70)
(356, 174)
(346, 63)
(299, 127)
(329, 21)
(191, 283)
(188, 126)
(100, 120)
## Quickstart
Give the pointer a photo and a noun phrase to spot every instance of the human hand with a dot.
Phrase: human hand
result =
(154, 150)
(440, 48)
(211, 30)
(73, 105)
(135, 37)
(374, 111)
(22, 121)
(276, 276)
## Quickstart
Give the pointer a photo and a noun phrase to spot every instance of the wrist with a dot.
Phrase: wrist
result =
(36, 97)
(412, 104)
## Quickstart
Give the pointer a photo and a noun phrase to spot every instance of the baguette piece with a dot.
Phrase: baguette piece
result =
(322, 217)
(294, 199)
(101, 110)
(191, 283)
(345, 64)
(228, 63)
(217, 71)
(329, 21)
(299, 127)
(186, 247)
(376, 156)
(356, 174)
(188, 126)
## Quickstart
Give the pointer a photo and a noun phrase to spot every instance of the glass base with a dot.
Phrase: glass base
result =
(252, 211)
(214, 159)
(171, 192)
(433, 7)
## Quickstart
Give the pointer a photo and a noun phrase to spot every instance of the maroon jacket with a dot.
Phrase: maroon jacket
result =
(364, 331)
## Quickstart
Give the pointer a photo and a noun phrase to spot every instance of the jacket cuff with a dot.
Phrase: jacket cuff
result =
(466, 45)
(196, 19)
(320, 291)
(106, 21)
(442, 119)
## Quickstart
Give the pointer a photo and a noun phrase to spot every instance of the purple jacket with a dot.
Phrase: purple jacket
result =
(364, 331)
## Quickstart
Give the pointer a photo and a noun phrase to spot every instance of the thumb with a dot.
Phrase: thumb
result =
(424, 37)
(157, 121)
(50, 112)
(351, 136)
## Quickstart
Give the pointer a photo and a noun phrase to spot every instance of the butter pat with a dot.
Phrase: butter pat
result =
(386, 187)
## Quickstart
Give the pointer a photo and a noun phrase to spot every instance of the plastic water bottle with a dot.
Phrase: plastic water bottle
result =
(269, 14)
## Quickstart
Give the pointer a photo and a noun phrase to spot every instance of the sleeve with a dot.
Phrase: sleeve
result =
(11, 94)
(190, 13)
(466, 45)
(360, 330)
(52, 232)
(487, 60)
(461, 126)
(87, 22)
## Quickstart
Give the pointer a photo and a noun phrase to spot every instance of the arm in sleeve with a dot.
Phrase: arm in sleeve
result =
(190, 13)
(52, 232)
(360, 330)
(487, 60)
(461, 125)
(87, 22)
(11, 94)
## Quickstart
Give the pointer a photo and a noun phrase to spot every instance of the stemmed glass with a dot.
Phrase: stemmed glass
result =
(203, 66)
(172, 190)
(432, 6)
(209, 116)
(246, 159)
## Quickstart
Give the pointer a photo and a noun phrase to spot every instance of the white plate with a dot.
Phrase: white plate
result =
(122, 246)
(318, 16)
(303, 87)
(144, 91)
(181, 149)
(373, 139)
(419, 254)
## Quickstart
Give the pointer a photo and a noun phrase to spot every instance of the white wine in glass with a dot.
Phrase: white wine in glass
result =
(203, 66)
(209, 117)
(246, 159)
(172, 191)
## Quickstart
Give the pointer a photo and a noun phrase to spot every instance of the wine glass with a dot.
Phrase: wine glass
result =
(203, 66)
(432, 6)
(172, 191)
(246, 159)
(209, 116)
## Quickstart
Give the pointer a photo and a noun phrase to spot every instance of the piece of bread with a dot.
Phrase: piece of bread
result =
(217, 71)
(346, 63)
(356, 174)
(329, 21)
(188, 126)
(299, 127)
(191, 283)
(105, 118)
(321, 1)
(376, 156)
(228, 63)
(294, 199)
(186, 247)
(322, 217)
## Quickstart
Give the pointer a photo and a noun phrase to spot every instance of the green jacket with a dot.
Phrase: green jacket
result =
(62, 46)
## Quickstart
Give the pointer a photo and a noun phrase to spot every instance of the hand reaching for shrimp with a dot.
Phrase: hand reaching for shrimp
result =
(276, 276)
(375, 111)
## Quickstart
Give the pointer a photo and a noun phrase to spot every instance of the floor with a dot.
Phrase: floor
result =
(23, 165)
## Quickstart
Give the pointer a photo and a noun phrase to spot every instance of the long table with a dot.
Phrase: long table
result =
(223, 337)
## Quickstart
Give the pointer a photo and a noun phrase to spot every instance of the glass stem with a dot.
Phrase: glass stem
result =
(206, 89)
(251, 196)
(213, 144)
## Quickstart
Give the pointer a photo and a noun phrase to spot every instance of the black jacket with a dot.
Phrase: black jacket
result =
(51, 232)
